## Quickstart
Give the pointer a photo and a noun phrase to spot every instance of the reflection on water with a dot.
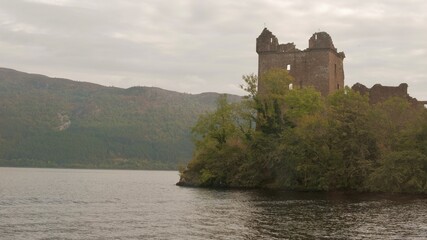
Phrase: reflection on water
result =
(105, 204)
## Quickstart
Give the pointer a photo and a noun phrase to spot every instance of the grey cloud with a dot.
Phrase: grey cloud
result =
(197, 46)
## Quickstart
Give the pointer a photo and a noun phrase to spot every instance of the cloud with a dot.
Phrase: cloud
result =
(200, 46)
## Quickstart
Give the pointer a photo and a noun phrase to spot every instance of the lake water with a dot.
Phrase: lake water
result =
(115, 204)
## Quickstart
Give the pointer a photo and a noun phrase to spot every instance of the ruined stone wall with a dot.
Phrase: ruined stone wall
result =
(379, 93)
(293, 62)
(336, 72)
(317, 71)
(320, 65)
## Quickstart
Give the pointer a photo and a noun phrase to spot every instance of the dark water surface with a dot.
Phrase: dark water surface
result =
(114, 204)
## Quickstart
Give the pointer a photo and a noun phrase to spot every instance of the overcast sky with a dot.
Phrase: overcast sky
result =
(198, 46)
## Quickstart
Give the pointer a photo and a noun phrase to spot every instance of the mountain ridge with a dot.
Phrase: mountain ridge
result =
(57, 122)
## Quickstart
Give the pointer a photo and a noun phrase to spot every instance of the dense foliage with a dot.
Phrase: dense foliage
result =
(296, 139)
(47, 122)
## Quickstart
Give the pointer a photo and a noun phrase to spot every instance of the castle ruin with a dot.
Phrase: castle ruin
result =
(320, 65)
(379, 93)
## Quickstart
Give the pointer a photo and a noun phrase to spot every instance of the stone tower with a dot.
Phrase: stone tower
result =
(320, 65)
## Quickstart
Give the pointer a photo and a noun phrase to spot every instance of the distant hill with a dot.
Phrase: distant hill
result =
(54, 122)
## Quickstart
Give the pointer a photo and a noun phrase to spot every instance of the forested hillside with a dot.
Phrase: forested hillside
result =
(51, 122)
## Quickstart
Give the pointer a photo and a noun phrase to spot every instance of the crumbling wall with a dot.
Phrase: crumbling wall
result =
(321, 40)
(267, 42)
(362, 89)
(379, 93)
(320, 65)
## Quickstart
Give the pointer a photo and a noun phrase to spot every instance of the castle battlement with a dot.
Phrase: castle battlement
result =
(320, 65)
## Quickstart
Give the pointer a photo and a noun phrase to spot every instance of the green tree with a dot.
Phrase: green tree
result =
(220, 143)
(353, 143)
(218, 126)
(403, 171)
(396, 123)
(270, 102)
(302, 102)
(303, 141)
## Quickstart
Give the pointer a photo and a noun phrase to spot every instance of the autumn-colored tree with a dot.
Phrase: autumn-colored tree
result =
(296, 139)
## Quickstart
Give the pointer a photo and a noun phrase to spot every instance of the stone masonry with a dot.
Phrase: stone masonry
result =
(320, 65)
(379, 93)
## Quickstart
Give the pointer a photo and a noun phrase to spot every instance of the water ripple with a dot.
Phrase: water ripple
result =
(100, 204)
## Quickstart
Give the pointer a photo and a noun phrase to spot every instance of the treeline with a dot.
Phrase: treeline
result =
(298, 140)
(46, 122)
(96, 147)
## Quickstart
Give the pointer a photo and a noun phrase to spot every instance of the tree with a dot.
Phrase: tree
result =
(306, 142)
(353, 143)
(220, 142)
(302, 102)
(396, 123)
(403, 171)
(270, 102)
(218, 126)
